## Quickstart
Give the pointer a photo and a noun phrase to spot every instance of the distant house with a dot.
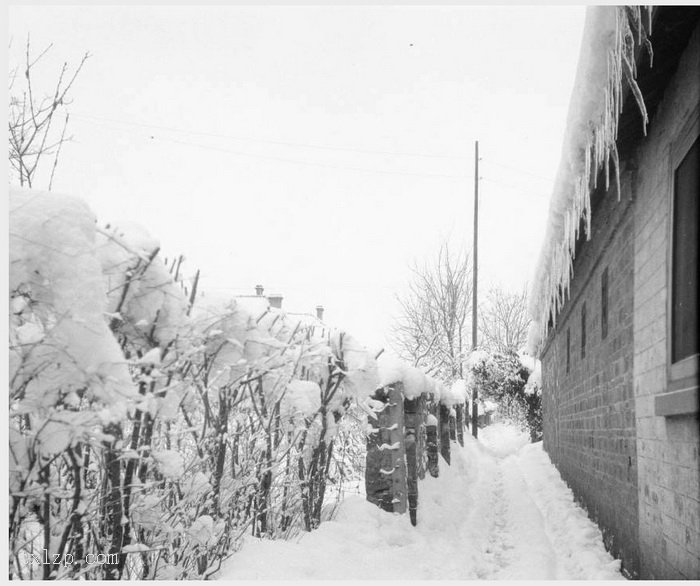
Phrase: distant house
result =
(615, 293)
(260, 302)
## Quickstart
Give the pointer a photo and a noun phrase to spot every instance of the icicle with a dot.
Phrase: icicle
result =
(636, 92)
(616, 162)
(555, 269)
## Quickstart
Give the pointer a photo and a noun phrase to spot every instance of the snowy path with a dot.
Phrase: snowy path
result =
(501, 511)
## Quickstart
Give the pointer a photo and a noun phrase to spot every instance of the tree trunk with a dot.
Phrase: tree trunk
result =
(114, 530)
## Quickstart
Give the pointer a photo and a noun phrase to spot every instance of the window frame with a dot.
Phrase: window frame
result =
(682, 376)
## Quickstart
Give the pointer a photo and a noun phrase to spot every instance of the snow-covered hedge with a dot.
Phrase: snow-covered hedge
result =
(148, 425)
(135, 427)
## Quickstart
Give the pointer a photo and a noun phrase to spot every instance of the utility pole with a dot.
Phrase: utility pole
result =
(475, 392)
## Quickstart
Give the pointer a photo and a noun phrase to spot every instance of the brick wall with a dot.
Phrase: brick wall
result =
(669, 483)
(589, 422)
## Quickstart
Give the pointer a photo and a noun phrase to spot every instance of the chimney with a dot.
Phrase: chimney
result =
(319, 312)
(259, 290)
(275, 300)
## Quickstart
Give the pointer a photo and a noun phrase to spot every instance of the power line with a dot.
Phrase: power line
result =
(97, 119)
(300, 162)
(547, 179)
(267, 141)
(512, 187)
(313, 163)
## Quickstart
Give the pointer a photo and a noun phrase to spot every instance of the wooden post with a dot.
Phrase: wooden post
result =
(421, 439)
(413, 423)
(385, 473)
(453, 424)
(444, 429)
(459, 423)
(432, 440)
(378, 485)
(396, 450)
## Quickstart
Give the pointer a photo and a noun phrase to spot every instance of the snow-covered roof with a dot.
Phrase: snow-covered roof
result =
(307, 319)
(611, 37)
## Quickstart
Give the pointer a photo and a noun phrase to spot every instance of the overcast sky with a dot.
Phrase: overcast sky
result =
(316, 150)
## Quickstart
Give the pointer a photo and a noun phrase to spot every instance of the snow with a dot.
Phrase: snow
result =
(534, 381)
(456, 394)
(390, 368)
(361, 372)
(607, 55)
(54, 263)
(415, 382)
(29, 333)
(303, 398)
(170, 464)
(476, 358)
(202, 530)
(152, 357)
(139, 285)
(501, 511)
(487, 406)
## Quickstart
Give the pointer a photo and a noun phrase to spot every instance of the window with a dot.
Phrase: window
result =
(681, 396)
(583, 331)
(568, 350)
(604, 304)
(684, 284)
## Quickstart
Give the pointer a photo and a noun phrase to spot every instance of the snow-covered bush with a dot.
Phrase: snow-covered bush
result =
(69, 380)
(147, 425)
(503, 377)
(139, 431)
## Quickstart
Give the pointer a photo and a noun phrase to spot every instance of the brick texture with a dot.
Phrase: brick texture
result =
(589, 422)
(637, 474)
(669, 483)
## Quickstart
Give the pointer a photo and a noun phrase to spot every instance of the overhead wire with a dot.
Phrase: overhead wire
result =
(300, 162)
(268, 141)
(102, 120)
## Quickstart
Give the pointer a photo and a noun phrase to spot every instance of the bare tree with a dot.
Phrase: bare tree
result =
(33, 136)
(503, 321)
(432, 331)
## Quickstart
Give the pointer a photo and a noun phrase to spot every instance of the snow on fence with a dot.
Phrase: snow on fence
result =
(412, 418)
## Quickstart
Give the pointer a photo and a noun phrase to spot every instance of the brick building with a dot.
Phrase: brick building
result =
(618, 340)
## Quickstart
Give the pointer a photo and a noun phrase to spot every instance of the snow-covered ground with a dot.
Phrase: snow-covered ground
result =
(501, 511)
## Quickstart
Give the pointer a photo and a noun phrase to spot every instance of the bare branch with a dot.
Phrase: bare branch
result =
(430, 331)
(32, 135)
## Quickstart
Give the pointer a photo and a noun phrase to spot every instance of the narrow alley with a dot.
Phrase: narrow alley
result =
(501, 511)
